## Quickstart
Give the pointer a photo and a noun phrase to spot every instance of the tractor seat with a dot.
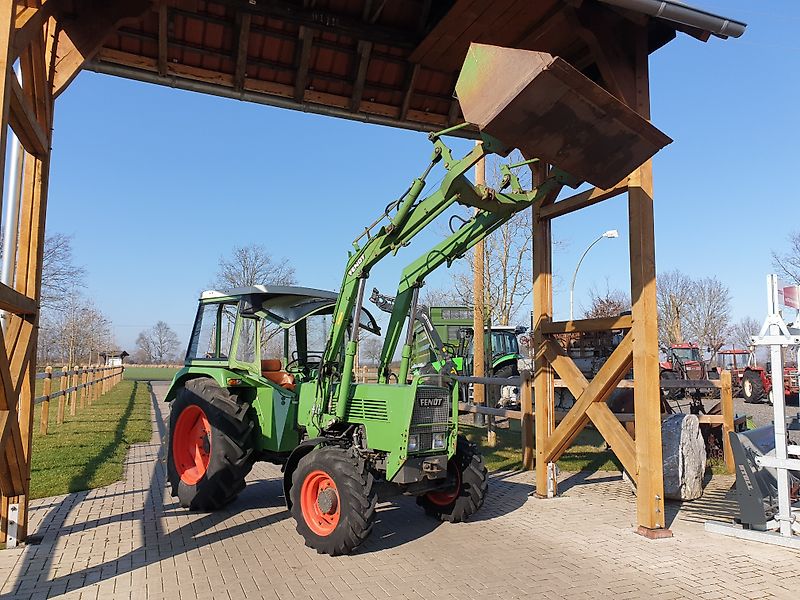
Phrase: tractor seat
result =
(271, 369)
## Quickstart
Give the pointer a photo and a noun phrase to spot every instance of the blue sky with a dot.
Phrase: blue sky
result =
(155, 184)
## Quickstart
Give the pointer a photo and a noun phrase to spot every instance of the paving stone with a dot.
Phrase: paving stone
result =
(131, 540)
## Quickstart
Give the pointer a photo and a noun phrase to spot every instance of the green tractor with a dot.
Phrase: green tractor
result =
(235, 402)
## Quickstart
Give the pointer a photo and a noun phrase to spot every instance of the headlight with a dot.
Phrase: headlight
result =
(438, 440)
(413, 443)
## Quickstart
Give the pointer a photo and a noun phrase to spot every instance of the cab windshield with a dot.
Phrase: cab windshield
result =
(685, 354)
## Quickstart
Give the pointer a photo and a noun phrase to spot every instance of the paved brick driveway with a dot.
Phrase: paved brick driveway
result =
(130, 540)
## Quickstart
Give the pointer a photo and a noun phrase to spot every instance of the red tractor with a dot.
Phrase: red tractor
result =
(684, 362)
(757, 383)
(734, 360)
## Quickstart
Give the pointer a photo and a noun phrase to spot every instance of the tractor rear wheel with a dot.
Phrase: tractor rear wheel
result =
(671, 393)
(210, 445)
(333, 502)
(752, 387)
(468, 492)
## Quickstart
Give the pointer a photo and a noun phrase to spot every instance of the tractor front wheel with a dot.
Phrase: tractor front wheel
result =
(752, 387)
(210, 445)
(463, 499)
(333, 502)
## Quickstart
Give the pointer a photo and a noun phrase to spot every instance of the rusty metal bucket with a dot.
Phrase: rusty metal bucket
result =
(545, 107)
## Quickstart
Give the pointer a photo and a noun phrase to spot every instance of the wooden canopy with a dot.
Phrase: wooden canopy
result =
(386, 61)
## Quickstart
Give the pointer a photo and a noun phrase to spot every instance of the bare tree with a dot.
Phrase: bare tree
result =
(75, 333)
(370, 348)
(743, 331)
(788, 263)
(674, 291)
(60, 274)
(144, 348)
(165, 342)
(253, 265)
(709, 312)
(610, 303)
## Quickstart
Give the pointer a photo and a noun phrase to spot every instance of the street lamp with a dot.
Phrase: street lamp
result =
(611, 233)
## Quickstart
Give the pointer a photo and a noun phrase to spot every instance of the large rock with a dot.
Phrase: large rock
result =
(684, 457)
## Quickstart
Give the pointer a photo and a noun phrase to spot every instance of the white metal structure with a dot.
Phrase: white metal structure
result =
(776, 334)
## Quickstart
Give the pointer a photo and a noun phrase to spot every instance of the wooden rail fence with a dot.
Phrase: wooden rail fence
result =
(728, 420)
(79, 385)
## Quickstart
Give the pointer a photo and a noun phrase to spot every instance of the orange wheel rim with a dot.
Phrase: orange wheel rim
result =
(319, 501)
(191, 444)
(447, 496)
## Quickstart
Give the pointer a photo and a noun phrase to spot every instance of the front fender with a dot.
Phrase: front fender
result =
(290, 465)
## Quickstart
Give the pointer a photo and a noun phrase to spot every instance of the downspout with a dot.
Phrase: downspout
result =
(11, 210)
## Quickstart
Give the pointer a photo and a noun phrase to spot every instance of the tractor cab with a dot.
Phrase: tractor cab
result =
(276, 333)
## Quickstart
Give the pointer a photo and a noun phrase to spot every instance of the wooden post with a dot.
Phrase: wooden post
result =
(73, 395)
(83, 379)
(62, 399)
(478, 315)
(726, 396)
(526, 425)
(543, 390)
(48, 389)
(646, 391)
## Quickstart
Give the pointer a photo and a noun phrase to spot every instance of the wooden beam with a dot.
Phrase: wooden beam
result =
(23, 120)
(583, 200)
(615, 435)
(598, 390)
(241, 52)
(587, 325)
(650, 489)
(163, 38)
(542, 311)
(29, 23)
(424, 13)
(364, 51)
(14, 302)
(306, 39)
(526, 426)
(7, 32)
(412, 81)
(80, 38)
(726, 397)
(565, 367)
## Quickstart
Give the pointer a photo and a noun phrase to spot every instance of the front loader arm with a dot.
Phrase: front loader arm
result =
(481, 225)
(412, 216)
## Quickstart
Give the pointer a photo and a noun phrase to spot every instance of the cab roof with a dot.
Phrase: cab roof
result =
(286, 305)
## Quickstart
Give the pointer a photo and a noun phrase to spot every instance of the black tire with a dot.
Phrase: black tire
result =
(671, 393)
(472, 486)
(231, 447)
(494, 393)
(752, 387)
(355, 500)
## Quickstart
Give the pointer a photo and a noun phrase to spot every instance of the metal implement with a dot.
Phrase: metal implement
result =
(549, 110)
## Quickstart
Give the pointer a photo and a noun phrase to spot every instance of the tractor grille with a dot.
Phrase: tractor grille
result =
(432, 414)
(365, 409)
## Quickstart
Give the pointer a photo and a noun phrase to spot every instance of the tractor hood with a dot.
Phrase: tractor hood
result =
(288, 305)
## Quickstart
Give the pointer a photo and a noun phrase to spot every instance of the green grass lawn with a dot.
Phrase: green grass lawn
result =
(150, 373)
(89, 449)
(588, 453)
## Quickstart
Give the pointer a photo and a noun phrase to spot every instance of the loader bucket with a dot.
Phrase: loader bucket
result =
(545, 107)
